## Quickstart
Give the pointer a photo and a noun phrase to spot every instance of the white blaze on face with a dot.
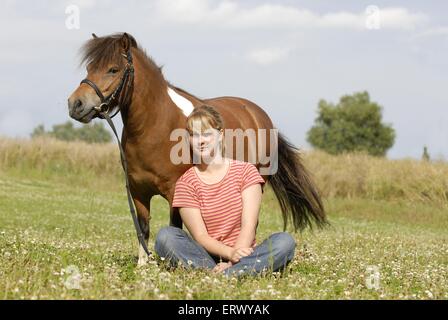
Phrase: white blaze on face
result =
(181, 102)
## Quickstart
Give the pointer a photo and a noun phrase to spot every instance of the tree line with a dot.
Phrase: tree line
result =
(90, 133)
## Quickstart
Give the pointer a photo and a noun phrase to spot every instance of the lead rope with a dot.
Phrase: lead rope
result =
(124, 164)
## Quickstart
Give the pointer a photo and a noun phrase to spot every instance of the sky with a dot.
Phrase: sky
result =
(283, 55)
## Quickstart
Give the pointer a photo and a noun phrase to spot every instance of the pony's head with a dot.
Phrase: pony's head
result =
(106, 63)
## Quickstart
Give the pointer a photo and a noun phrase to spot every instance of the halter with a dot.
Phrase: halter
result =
(106, 102)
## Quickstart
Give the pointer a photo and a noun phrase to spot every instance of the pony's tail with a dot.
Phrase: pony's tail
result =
(294, 189)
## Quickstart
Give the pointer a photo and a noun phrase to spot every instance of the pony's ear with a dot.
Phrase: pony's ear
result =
(125, 42)
(128, 41)
(94, 36)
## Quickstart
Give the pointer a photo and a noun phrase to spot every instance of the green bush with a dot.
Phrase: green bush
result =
(352, 125)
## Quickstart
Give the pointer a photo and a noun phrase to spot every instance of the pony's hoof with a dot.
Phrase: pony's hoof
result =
(144, 260)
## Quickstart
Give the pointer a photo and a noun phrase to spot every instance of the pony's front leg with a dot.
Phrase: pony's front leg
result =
(144, 216)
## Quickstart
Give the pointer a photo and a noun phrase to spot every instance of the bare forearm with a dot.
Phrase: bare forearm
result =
(215, 247)
(245, 239)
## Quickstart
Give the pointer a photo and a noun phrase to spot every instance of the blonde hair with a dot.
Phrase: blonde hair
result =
(209, 118)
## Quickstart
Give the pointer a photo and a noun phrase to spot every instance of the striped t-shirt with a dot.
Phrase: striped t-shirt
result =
(220, 203)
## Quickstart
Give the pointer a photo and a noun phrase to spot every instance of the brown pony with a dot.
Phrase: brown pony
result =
(135, 86)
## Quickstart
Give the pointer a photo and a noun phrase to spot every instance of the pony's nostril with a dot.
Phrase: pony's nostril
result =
(78, 105)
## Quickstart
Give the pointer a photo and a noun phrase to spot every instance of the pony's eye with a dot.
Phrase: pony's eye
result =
(113, 70)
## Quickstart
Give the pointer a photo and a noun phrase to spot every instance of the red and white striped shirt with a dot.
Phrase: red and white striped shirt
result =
(220, 203)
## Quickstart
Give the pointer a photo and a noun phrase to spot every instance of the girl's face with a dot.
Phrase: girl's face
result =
(206, 144)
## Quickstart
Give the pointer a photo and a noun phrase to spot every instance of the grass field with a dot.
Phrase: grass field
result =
(61, 214)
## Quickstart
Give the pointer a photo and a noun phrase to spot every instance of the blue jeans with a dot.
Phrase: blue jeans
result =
(175, 245)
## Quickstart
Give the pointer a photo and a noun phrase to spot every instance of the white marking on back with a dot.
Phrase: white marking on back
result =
(181, 102)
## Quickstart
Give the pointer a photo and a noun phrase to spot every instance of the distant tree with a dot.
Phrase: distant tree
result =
(354, 124)
(38, 131)
(91, 133)
(65, 131)
(94, 133)
(425, 156)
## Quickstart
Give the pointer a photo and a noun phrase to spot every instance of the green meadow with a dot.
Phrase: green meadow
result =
(66, 231)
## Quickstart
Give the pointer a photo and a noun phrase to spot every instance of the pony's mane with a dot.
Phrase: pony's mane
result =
(184, 91)
(99, 52)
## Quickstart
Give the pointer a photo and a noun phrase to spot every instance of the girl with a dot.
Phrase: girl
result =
(219, 202)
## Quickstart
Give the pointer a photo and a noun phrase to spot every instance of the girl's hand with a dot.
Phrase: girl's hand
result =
(239, 253)
(220, 267)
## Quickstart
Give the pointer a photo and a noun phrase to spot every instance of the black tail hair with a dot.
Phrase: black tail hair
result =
(295, 190)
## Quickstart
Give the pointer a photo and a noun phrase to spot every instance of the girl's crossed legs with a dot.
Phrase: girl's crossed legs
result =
(274, 253)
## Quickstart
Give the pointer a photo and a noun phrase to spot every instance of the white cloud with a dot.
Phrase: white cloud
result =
(401, 18)
(230, 14)
(341, 20)
(268, 56)
(272, 16)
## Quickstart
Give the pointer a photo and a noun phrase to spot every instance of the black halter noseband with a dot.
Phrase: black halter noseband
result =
(106, 102)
